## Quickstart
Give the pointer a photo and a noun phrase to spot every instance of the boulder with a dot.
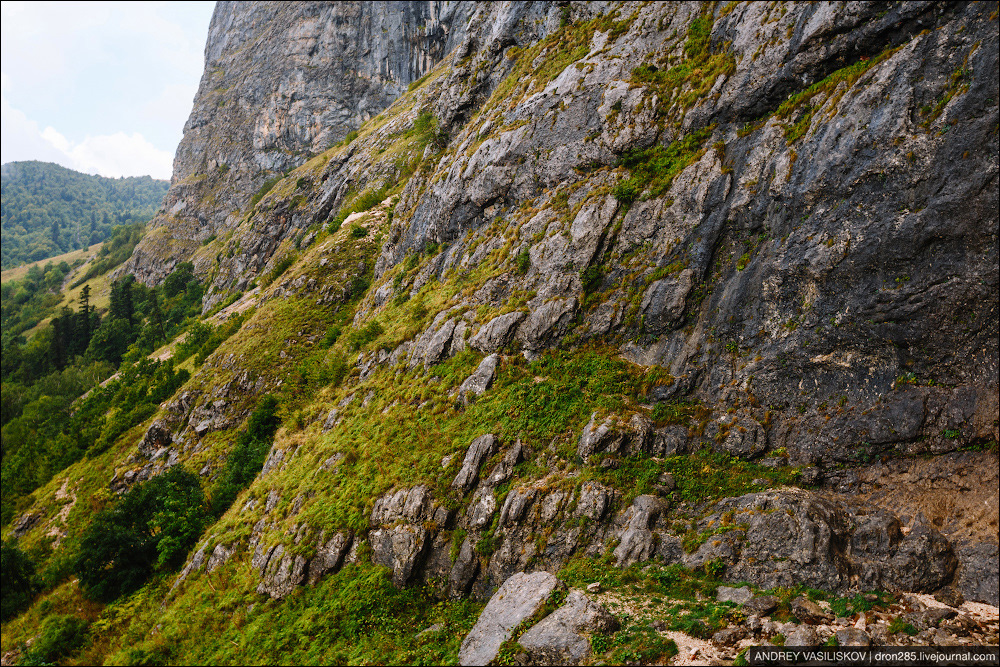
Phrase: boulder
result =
(853, 637)
(496, 333)
(481, 379)
(559, 639)
(546, 322)
(516, 600)
(481, 449)
(808, 611)
(157, 436)
(762, 605)
(400, 548)
(729, 636)
(740, 595)
(329, 555)
(802, 635)
(636, 543)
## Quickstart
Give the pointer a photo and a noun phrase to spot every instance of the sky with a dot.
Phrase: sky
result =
(99, 87)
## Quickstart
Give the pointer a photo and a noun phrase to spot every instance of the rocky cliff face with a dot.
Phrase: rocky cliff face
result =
(284, 82)
(790, 209)
(695, 283)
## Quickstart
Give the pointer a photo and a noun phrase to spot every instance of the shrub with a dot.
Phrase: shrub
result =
(18, 577)
(358, 338)
(151, 527)
(591, 277)
(247, 458)
(61, 635)
(523, 261)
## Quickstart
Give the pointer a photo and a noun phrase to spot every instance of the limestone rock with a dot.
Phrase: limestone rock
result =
(481, 379)
(400, 549)
(496, 333)
(517, 599)
(559, 639)
(803, 635)
(740, 595)
(481, 449)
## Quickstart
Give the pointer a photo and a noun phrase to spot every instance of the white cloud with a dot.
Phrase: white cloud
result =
(112, 155)
(100, 77)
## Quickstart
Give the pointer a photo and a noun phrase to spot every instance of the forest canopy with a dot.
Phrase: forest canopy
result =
(48, 210)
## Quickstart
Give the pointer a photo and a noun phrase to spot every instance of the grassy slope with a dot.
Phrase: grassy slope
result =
(386, 443)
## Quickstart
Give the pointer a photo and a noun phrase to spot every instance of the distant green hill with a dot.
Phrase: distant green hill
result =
(48, 210)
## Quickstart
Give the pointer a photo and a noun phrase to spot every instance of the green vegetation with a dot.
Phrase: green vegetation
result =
(151, 527)
(48, 209)
(247, 458)
(115, 250)
(653, 170)
(18, 579)
(61, 635)
(45, 427)
(800, 105)
(689, 81)
(900, 625)
(264, 189)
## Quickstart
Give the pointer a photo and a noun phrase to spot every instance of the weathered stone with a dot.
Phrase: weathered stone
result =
(481, 508)
(400, 549)
(546, 322)
(505, 469)
(803, 635)
(852, 637)
(729, 636)
(464, 570)
(808, 611)
(636, 543)
(281, 573)
(481, 379)
(740, 595)
(517, 599)
(978, 578)
(559, 639)
(157, 436)
(411, 505)
(481, 449)
(495, 334)
(220, 556)
(664, 300)
(329, 555)
(799, 537)
(762, 605)
(949, 596)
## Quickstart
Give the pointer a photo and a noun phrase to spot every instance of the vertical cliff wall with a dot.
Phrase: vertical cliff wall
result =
(284, 81)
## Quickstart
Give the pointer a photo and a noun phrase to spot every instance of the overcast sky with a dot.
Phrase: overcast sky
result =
(100, 87)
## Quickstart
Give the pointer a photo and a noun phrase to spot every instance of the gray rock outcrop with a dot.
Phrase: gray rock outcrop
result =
(516, 600)
(562, 637)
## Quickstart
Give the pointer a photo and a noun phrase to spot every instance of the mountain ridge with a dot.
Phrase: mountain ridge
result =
(668, 293)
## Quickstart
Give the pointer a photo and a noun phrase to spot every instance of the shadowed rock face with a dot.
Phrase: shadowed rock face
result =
(822, 282)
(284, 81)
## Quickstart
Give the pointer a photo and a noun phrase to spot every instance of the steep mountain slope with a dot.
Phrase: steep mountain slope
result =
(609, 284)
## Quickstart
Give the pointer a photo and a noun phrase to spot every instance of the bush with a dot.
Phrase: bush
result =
(523, 261)
(61, 635)
(358, 338)
(247, 458)
(151, 527)
(18, 577)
